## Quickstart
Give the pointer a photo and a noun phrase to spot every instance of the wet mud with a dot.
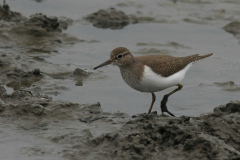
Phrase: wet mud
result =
(233, 27)
(25, 43)
(169, 44)
(43, 117)
(116, 19)
(211, 136)
(38, 31)
(110, 18)
(226, 86)
(18, 79)
(159, 48)
(91, 133)
(10, 16)
(153, 51)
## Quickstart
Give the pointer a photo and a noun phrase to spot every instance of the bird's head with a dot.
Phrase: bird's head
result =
(119, 57)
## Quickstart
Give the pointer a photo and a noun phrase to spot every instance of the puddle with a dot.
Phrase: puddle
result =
(9, 90)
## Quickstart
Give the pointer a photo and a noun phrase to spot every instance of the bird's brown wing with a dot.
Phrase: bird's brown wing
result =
(167, 65)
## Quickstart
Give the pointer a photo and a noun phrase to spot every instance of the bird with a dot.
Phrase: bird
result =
(152, 73)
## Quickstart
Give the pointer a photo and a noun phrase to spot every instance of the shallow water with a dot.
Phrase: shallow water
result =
(106, 85)
(16, 144)
(114, 94)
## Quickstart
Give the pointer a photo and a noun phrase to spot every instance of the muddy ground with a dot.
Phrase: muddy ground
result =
(85, 131)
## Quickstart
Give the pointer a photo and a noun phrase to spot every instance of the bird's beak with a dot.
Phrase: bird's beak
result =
(104, 64)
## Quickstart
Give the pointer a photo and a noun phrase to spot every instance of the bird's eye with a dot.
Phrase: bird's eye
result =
(119, 56)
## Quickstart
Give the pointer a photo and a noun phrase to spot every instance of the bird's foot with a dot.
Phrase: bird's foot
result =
(165, 110)
(164, 106)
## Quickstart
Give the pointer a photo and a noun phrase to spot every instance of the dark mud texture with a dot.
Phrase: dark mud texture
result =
(66, 126)
(38, 30)
(110, 18)
(233, 27)
(79, 76)
(226, 86)
(50, 24)
(39, 20)
(116, 19)
(19, 79)
(7, 15)
(211, 136)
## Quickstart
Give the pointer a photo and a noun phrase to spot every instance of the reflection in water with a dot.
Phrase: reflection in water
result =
(39, 0)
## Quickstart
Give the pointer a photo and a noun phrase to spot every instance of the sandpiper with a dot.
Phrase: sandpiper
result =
(152, 73)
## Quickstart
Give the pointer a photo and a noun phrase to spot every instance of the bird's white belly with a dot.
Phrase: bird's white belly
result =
(152, 82)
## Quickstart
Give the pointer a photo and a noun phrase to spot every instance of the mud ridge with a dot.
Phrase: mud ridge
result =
(211, 136)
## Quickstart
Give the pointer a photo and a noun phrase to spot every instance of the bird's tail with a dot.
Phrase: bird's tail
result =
(202, 57)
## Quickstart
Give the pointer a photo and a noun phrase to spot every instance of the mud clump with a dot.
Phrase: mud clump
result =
(233, 27)
(115, 19)
(168, 44)
(226, 86)
(79, 76)
(213, 136)
(40, 31)
(7, 15)
(18, 78)
(50, 24)
(24, 103)
(64, 22)
(110, 18)
(39, 25)
(153, 51)
(231, 107)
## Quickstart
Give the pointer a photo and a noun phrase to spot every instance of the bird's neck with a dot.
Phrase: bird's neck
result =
(131, 71)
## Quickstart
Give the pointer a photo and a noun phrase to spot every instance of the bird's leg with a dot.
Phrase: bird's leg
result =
(153, 100)
(165, 99)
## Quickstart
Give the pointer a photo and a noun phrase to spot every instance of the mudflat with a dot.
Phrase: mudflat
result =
(54, 106)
